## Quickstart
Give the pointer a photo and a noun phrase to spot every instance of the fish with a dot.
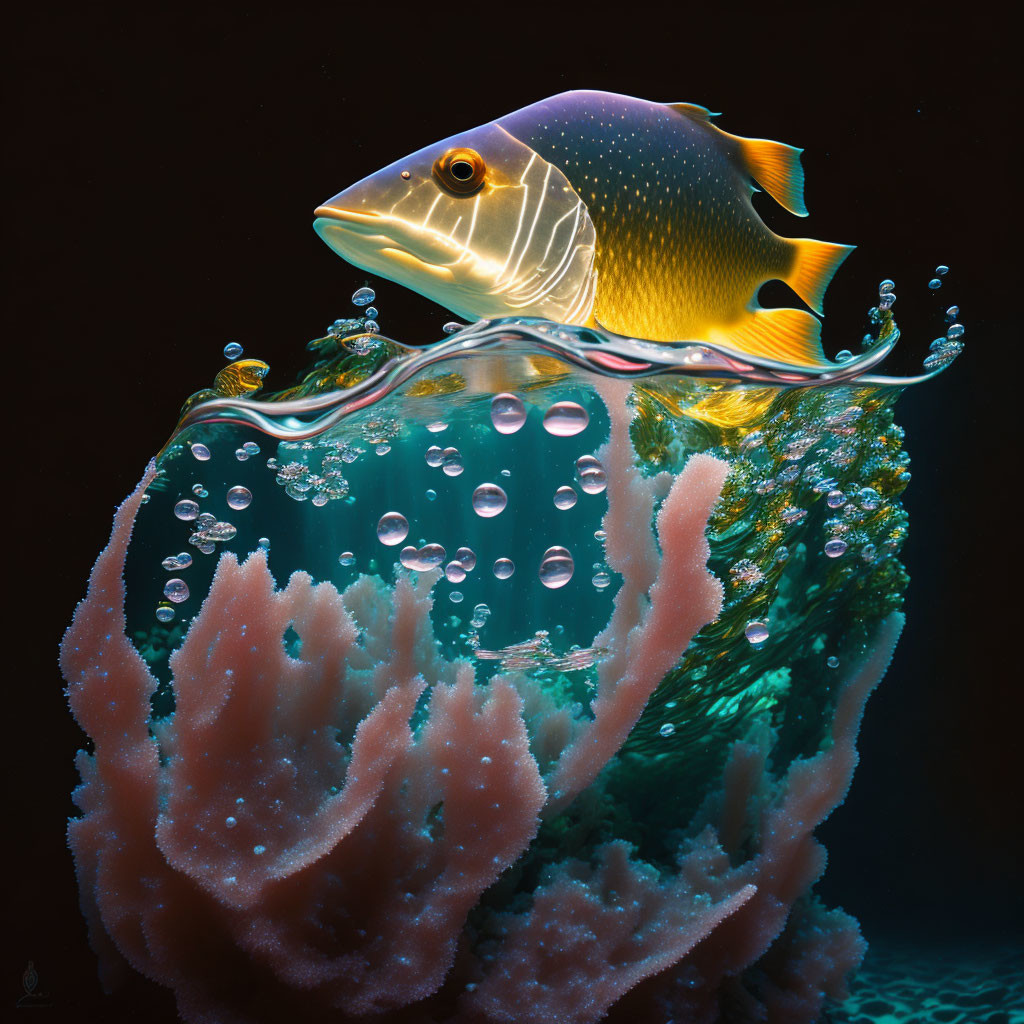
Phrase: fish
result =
(596, 209)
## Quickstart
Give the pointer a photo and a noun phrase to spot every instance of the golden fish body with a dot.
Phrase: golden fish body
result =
(594, 208)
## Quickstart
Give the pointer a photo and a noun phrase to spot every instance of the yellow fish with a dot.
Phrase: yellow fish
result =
(596, 209)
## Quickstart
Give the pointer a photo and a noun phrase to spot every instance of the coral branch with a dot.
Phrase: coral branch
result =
(683, 598)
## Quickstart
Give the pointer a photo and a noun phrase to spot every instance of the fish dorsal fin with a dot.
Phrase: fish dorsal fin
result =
(694, 110)
(773, 165)
(776, 167)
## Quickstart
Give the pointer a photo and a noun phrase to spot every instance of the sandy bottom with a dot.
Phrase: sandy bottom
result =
(902, 984)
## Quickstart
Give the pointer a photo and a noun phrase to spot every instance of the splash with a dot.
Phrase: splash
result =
(505, 679)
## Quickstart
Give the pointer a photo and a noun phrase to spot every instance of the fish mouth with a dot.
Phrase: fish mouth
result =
(378, 243)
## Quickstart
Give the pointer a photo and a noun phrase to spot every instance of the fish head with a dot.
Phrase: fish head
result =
(479, 223)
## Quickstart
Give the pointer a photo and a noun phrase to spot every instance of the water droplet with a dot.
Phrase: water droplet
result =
(186, 509)
(455, 597)
(832, 661)
(232, 350)
(467, 558)
(834, 547)
(346, 558)
(489, 500)
(934, 283)
(451, 327)
(565, 497)
(508, 413)
(942, 270)
(176, 590)
(164, 613)
(455, 572)
(667, 729)
(756, 632)
(200, 452)
(566, 419)
(601, 580)
(556, 568)
(503, 568)
(363, 296)
(239, 497)
(230, 822)
(431, 494)
(392, 528)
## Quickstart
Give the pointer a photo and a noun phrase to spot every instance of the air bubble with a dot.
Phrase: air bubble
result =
(176, 590)
(566, 419)
(455, 572)
(164, 613)
(467, 558)
(835, 547)
(667, 729)
(431, 494)
(832, 661)
(955, 331)
(489, 500)
(346, 558)
(363, 296)
(942, 270)
(565, 497)
(371, 313)
(503, 568)
(601, 580)
(756, 633)
(451, 327)
(451, 463)
(239, 497)
(232, 350)
(508, 413)
(437, 427)
(200, 452)
(186, 509)
(434, 456)
(556, 568)
(392, 528)
(934, 284)
(455, 597)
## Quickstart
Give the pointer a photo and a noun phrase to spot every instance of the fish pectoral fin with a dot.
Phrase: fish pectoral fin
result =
(786, 335)
(814, 264)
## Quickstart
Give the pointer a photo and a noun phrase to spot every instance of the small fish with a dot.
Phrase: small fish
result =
(596, 209)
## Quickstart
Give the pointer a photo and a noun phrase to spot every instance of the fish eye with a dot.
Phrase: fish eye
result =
(461, 171)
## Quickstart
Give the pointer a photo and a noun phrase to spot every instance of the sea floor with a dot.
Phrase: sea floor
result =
(905, 984)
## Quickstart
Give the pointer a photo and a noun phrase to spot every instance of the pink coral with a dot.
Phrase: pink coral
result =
(307, 836)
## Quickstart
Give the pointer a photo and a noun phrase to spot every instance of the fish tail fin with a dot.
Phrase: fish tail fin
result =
(776, 167)
(787, 335)
(814, 264)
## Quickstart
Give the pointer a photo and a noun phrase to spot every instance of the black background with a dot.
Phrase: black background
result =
(165, 168)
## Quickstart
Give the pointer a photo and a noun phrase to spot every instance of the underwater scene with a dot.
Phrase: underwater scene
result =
(507, 678)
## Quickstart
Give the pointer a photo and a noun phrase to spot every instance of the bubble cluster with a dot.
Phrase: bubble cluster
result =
(175, 563)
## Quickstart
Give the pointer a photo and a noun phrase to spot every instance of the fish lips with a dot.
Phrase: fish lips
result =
(385, 244)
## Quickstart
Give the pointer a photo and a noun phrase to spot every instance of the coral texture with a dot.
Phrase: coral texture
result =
(307, 837)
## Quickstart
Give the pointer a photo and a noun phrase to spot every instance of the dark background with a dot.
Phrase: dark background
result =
(164, 171)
